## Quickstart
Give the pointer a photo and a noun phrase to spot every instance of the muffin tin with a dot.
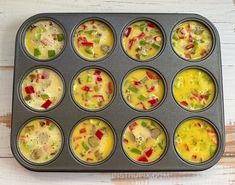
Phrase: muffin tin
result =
(117, 113)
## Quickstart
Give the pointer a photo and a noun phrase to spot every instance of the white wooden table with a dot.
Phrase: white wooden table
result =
(13, 13)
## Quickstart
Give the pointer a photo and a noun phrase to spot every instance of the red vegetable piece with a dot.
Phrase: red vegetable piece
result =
(153, 102)
(132, 126)
(110, 87)
(89, 159)
(82, 130)
(184, 103)
(84, 26)
(131, 42)
(29, 89)
(188, 55)
(97, 72)
(152, 75)
(190, 38)
(151, 89)
(79, 39)
(137, 83)
(47, 122)
(99, 79)
(140, 36)
(190, 46)
(99, 134)
(142, 158)
(149, 152)
(46, 104)
(125, 140)
(88, 44)
(127, 31)
(151, 24)
(86, 88)
(99, 96)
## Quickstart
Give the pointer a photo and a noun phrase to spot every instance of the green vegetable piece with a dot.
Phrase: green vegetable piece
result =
(142, 26)
(89, 32)
(136, 151)
(36, 52)
(143, 124)
(155, 46)
(37, 36)
(51, 126)
(143, 80)
(142, 42)
(89, 50)
(96, 41)
(133, 89)
(84, 145)
(45, 96)
(160, 145)
(89, 79)
(142, 98)
(60, 37)
(212, 150)
(51, 53)
(175, 36)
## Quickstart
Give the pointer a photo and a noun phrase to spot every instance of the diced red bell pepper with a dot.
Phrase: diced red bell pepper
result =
(47, 122)
(190, 46)
(127, 31)
(97, 72)
(148, 152)
(131, 42)
(88, 44)
(153, 102)
(181, 33)
(184, 103)
(203, 52)
(84, 26)
(79, 39)
(132, 126)
(125, 140)
(151, 24)
(151, 89)
(188, 55)
(99, 134)
(99, 96)
(99, 79)
(190, 38)
(82, 130)
(140, 36)
(46, 104)
(142, 158)
(137, 82)
(152, 75)
(29, 89)
(89, 159)
(86, 88)
(110, 87)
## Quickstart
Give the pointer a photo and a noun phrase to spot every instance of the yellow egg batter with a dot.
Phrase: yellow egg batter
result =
(93, 89)
(92, 141)
(194, 89)
(143, 89)
(93, 40)
(192, 40)
(196, 141)
(42, 89)
(44, 39)
(144, 140)
(142, 40)
(40, 141)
